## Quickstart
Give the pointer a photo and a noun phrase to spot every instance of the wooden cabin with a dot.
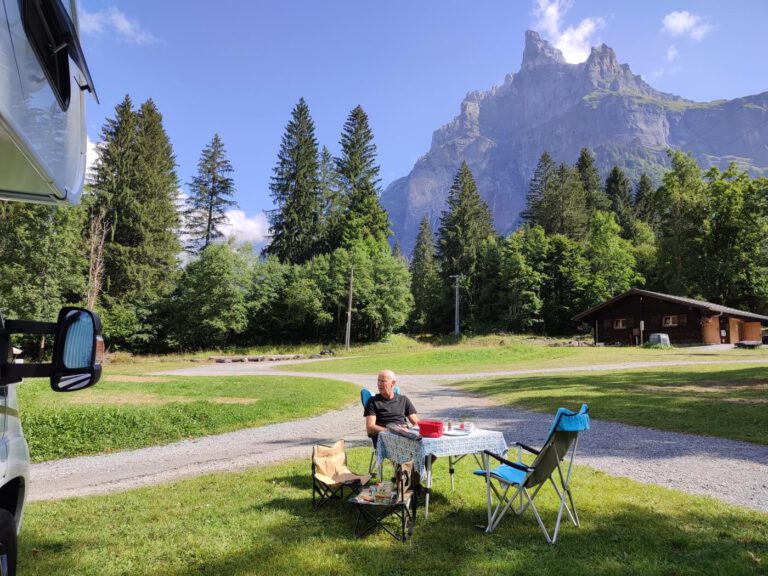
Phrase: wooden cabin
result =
(629, 318)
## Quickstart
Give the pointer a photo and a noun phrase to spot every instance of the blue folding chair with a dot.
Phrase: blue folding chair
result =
(365, 396)
(525, 481)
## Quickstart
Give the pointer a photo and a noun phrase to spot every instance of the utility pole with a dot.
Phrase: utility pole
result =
(456, 305)
(349, 312)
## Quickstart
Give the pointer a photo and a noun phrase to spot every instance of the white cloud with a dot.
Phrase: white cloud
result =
(672, 53)
(573, 42)
(245, 229)
(91, 157)
(112, 20)
(683, 23)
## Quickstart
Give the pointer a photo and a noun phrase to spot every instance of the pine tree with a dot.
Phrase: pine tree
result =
(333, 204)
(210, 195)
(359, 179)
(135, 182)
(425, 280)
(157, 189)
(563, 208)
(464, 226)
(619, 192)
(295, 223)
(643, 200)
(539, 182)
(590, 180)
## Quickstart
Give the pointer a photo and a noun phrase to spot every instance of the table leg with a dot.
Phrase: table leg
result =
(451, 462)
(487, 468)
(428, 464)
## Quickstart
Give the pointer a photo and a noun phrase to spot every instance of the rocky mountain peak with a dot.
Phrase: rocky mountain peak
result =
(538, 51)
(561, 108)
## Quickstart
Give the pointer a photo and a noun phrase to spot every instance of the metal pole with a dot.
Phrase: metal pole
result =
(456, 318)
(349, 312)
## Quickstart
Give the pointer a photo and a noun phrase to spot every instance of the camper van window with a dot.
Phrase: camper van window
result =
(53, 37)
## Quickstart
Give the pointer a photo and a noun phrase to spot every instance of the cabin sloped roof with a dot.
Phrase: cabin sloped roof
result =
(701, 304)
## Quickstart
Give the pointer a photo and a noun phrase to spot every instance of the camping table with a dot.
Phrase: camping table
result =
(371, 514)
(399, 449)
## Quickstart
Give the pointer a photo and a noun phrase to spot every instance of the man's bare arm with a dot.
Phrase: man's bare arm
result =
(413, 418)
(371, 428)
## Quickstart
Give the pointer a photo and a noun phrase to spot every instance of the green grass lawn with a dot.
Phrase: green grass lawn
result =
(131, 411)
(730, 401)
(497, 353)
(261, 522)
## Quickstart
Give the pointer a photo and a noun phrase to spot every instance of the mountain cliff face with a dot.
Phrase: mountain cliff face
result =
(558, 107)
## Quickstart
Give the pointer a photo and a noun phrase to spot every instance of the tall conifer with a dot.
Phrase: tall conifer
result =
(295, 223)
(359, 180)
(590, 180)
(210, 195)
(545, 168)
(425, 281)
(464, 226)
(135, 182)
(619, 192)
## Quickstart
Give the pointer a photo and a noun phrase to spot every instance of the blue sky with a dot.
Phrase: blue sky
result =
(239, 67)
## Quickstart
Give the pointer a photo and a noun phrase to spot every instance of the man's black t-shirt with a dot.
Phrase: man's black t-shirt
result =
(392, 411)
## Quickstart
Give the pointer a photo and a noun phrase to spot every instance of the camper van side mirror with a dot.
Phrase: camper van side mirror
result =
(78, 350)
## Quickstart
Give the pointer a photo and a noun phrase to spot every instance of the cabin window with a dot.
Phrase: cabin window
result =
(669, 321)
(619, 323)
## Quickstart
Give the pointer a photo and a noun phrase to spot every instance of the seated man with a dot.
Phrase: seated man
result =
(386, 407)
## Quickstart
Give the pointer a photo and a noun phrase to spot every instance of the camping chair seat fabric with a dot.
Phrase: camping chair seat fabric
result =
(525, 481)
(330, 474)
(506, 474)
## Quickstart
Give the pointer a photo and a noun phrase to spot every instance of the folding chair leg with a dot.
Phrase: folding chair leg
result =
(539, 520)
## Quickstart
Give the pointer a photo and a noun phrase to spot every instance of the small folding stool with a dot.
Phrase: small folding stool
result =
(375, 512)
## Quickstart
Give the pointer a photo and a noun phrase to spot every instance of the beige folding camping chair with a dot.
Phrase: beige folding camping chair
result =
(330, 474)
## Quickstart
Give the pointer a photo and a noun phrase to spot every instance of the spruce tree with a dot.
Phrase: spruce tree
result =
(464, 226)
(643, 200)
(135, 184)
(157, 188)
(359, 180)
(210, 195)
(295, 223)
(425, 281)
(619, 192)
(539, 181)
(333, 204)
(590, 180)
(563, 208)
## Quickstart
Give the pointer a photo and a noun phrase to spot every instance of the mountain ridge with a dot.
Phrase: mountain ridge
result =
(559, 107)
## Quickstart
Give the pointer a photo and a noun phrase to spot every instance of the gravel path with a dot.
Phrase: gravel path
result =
(735, 472)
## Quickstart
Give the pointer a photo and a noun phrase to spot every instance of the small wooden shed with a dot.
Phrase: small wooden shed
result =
(629, 318)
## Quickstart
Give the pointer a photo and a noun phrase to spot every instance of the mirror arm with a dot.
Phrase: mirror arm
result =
(28, 327)
(10, 373)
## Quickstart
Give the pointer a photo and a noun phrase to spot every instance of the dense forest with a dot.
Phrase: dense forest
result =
(158, 270)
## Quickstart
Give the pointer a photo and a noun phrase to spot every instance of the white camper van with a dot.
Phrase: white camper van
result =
(43, 80)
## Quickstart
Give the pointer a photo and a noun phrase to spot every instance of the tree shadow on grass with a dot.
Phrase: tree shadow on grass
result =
(632, 540)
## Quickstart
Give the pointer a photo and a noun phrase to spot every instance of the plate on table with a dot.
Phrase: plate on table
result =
(456, 432)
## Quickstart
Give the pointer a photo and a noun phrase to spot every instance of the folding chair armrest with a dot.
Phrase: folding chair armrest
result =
(508, 462)
(526, 448)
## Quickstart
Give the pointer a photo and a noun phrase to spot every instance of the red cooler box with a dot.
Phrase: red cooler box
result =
(430, 428)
